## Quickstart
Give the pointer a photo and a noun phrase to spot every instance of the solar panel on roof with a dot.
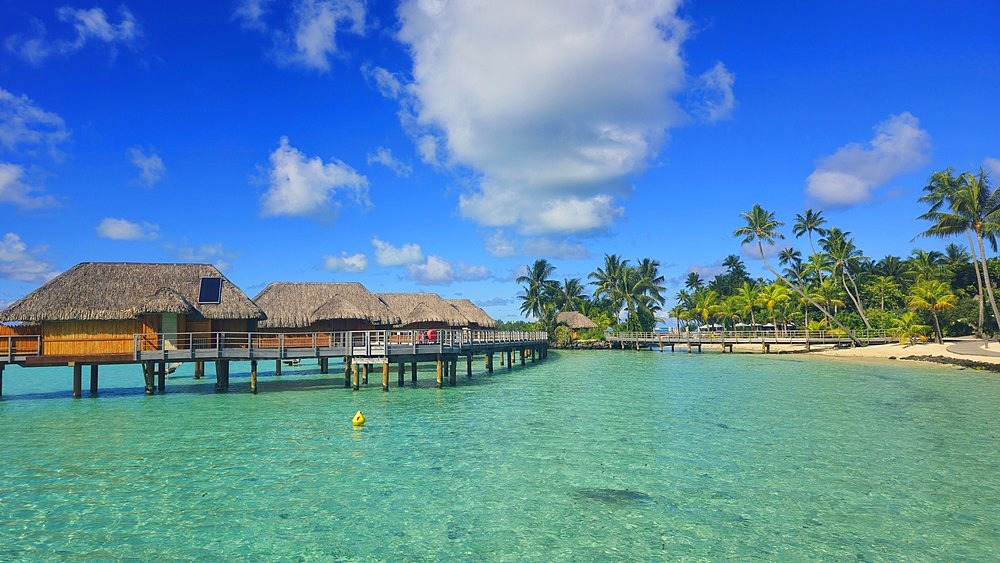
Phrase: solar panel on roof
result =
(211, 290)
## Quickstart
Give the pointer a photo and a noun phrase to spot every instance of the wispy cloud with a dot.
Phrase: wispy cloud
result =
(23, 124)
(501, 246)
(346, 263)
(711, 96)
(309, 38)
(210, 253)
(553, 105)
(389, 255)
(91, 26)
(306, 187)
(438, 271)
(123, 229)
(16, 192)
(387, 83)
(849, 175)
(384, 157)
(992, 165)
(151, 167)
(19, 263)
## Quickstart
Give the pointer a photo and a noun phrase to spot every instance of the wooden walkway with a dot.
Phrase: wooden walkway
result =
(360, 350)
(727, 338)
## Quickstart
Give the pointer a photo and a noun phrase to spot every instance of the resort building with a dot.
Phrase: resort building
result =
(322, 307)
(105, 311)
(476, 317)
(424, 311)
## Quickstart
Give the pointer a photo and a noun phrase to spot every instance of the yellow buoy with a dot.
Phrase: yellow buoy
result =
(359, 419)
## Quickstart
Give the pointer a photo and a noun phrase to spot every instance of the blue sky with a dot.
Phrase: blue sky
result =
(442, 146)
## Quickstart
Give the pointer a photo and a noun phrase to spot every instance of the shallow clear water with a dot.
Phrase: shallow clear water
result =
(605, 455)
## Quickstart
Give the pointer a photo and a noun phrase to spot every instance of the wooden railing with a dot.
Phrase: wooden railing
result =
(12, 347)
(750, 337)
(371, 343)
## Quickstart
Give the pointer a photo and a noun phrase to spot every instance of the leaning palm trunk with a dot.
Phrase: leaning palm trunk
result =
(855, 298)
(981, 298)
(986, 277)
(804, 295)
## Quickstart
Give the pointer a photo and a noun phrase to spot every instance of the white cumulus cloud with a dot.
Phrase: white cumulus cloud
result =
(554, 105)
(208, 253)
(151, 167)
(849, 175)
(19, 263)
(302, 186)
(438, 271)
(346, 263)
(389, 255)
(123, 229)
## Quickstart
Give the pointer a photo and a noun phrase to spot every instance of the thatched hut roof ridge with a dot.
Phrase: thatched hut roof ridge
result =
(301, 304)
(419, 308)
(99, 291)
(575, 320)
(476, 316)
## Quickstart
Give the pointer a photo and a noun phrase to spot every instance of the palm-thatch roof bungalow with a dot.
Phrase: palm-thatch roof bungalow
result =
(423, 311)
(96, 308)
(322, 307)
(574, 320)
(478, 319)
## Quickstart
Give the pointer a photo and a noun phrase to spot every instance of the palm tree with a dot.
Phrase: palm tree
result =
(882, 288)
(608, 281)
(840, 247)
(747, 295)
(694, 281)
(811, 222)
(926, 264)
(571, 296)
(973, 207)
(706, 304)
(907, 327)
(537, 287)
(763, 227)
(934, 296)
(772, 297)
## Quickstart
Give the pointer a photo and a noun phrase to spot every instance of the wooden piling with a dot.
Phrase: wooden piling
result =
(1, 380)
(402, 373)
(489, 362)
(453, 377)
(324, 365)
(413, 373)
(199, 370)
(161, 377)
(468, 365)
(93, 380)
(440, 371)
(347, 371)
(354, 375)
(277, 368)
(148, 376)
(523, 353)
(221, 375)
(502, 354)
(253, 377)
(77, 380)
(385, 376)
(510, 359)
(364, 374)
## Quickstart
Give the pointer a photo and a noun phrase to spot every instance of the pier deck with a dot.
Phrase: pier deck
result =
(727, 338)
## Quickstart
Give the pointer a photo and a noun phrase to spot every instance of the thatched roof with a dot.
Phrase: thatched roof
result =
(575, 320)
(471, 311)
(104, 291)
(421, 308)
(299, 305)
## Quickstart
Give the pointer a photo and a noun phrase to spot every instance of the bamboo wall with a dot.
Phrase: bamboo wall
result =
(90, 338)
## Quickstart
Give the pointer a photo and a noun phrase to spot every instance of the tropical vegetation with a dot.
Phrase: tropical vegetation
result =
(828, 284)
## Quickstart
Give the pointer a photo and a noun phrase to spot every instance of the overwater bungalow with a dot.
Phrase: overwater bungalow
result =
(477, 318)
(100, 311)
(322, 307)
(424, 311)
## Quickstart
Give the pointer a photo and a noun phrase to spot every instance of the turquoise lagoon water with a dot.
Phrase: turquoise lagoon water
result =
(609, 455)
